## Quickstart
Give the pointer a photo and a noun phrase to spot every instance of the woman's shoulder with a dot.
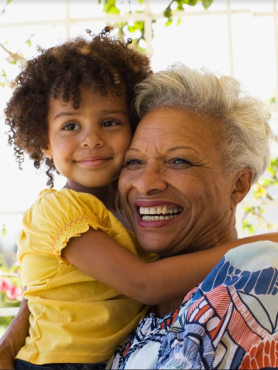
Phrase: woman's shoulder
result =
(256, 255)
(234, 307)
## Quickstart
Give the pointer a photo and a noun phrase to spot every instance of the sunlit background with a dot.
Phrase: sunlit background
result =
(237, 38)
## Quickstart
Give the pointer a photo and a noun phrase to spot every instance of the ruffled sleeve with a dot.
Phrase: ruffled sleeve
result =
(57, 216)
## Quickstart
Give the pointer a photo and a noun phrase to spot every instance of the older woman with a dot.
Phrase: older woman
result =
(199, 145)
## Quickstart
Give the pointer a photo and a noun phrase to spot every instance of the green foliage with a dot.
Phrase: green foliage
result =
(4, 8)
(4, 323)
(180, 6)
(109, 7)
(14, 58)
(262, 190)
(114, 7)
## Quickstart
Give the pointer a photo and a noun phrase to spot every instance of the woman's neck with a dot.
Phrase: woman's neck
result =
(109, 195)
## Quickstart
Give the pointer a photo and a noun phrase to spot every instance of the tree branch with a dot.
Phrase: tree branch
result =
(3, 10)
(14, 56)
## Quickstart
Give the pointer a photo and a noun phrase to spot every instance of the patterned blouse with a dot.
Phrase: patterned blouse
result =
(230, 321)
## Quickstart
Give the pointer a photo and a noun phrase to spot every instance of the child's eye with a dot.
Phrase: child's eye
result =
(71, 126)
(110, 123)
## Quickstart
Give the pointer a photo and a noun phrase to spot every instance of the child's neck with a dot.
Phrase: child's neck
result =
(109, 195)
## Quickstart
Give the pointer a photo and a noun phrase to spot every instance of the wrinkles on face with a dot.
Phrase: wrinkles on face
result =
(174, 159)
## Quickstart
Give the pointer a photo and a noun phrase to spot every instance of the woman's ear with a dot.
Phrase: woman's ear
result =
(242, 185)
(47, 151)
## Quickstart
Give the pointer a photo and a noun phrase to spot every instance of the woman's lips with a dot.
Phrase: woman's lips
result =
(156, 214)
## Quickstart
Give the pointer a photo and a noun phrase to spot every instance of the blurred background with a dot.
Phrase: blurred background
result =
(233, 37)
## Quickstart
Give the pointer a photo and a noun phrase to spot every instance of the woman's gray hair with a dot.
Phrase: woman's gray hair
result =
(244, 118)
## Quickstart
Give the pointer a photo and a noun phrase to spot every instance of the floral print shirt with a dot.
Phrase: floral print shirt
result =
(230, 321)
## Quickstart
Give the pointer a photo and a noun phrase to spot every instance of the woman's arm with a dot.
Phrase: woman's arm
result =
(98, 255)
(14, 337)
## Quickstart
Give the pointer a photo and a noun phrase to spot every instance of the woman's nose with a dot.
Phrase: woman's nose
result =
(150, 181)
(92, 139)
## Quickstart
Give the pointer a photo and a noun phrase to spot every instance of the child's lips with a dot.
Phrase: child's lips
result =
(93, 162)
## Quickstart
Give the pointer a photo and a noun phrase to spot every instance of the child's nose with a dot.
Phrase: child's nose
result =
(92, 139)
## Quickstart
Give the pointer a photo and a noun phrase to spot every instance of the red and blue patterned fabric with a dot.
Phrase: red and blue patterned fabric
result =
(230, 321)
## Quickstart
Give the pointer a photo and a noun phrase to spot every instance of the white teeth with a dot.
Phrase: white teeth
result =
(157, 218)
(164, 210)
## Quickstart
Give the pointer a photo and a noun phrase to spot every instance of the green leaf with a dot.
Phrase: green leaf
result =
(179, 21)
(109, 7)
(139, 25)
(169, 22)
(29, 43)
(131, 29)
(3, 73)
(168, 12)
(248, 226)
(4, 230)
(141, 1)
(207, 3)
(192, 2)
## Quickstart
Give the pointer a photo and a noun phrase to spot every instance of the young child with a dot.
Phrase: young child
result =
(70, 112)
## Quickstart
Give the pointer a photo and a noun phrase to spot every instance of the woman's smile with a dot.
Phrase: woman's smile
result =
(156, 215)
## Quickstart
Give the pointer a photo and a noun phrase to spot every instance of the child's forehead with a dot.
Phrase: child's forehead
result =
(91, 101)
(88, 93)
(89, 90)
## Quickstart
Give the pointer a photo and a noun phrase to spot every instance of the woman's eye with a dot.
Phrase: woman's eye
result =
(132, 163)
(180, 161)
(71, 126)
(110, 123)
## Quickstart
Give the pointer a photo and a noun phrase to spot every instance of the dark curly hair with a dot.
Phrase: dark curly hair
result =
(103, 62)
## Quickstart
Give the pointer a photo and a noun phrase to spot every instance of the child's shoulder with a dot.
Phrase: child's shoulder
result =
(67, 201)
(48, 195)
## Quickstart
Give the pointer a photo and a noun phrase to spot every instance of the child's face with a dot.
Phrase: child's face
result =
(88, 144)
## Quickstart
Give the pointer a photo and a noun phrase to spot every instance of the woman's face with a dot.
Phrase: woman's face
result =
(175, 189)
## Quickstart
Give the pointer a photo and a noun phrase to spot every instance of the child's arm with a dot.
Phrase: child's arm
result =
(98, 255)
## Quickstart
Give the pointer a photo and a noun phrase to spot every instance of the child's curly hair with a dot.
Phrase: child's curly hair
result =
(104, 63)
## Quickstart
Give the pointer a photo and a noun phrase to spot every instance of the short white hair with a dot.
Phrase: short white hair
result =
(246, 130)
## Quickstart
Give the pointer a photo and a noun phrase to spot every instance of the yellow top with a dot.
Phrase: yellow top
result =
(74, 318)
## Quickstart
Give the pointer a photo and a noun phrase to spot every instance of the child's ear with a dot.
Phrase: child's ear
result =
(47, 151)
(243, 182)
